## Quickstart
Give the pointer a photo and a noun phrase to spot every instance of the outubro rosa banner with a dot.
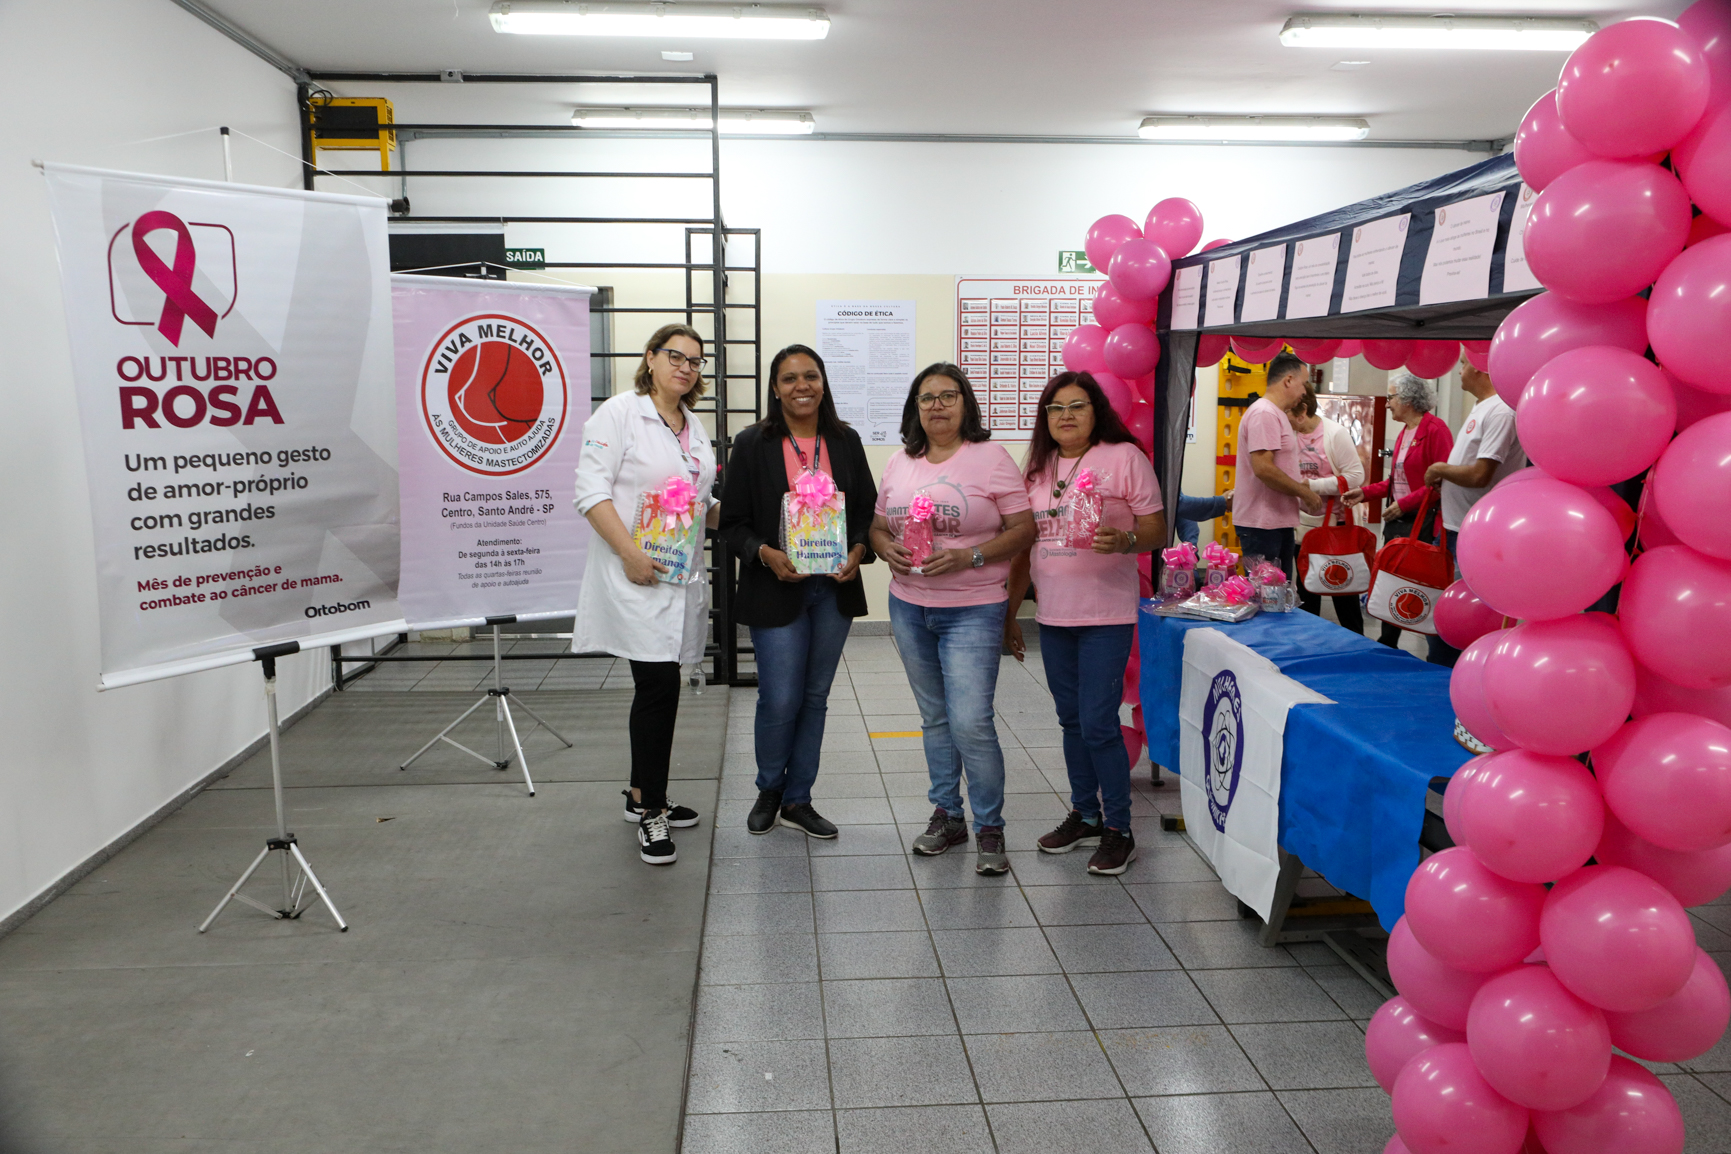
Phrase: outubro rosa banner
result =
(492, 393)
(231, 351)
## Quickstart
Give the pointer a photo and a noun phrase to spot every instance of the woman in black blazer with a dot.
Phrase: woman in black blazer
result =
(799, 623)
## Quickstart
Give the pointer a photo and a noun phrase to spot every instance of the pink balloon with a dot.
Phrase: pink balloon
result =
(1210, 348)
(1315, 352)
(1676, 614)
(1703, 227)
(1469, 918)
(1175, 225)
(1140, 269)
(1214, 244)
(1689, 320)
(1350, 349)
(1630, 1113)
(1458, 787)
(1439, 992)
(1433, 359)
(1544, 150)
(1467, 694)
(1395, 1034)
(1548, 325)
(1144, 388)
(1634, 88)
(1082, 349)
(1112, 309)
(1537, 1044)
(1542, 549)
(1140, 422)
(1596, 415)
(1604, 230)
(1104, 237)
(1667, 776)
(1561, 686)
(1131, 351)
(1703, 161)
(1461, 618)
(1654, 694)
(1695, 404)
(1117, 390)
(1683, 1026)
(1443, 1105)
(1694, 879)
(1654, 531)
(1256, 350)
(1708, 23)
(1478, 354)
(1387, 354)
(1692, 486)
(1617, 507)
(1530, 817)
(1395, 1146)
(1617, 939)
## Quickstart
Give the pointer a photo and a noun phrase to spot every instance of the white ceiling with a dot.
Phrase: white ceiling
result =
(1012, 67)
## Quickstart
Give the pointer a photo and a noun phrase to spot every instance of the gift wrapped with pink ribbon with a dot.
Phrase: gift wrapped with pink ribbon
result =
(814, 524)
(917, 530)
(1081, 520)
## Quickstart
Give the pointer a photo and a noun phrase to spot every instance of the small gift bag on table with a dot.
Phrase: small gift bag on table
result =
(1178, 572)
(669, 529)
(1221, 561)
(814, 524)
(917, 531)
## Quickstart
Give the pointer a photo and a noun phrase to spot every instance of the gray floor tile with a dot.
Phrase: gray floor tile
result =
(1165, 861)
(951, 870)
(1221, 945)
(845, 811)
(763, 875)
(857, 911)
(741, 960)
(1101, 949)
(1706, 1115)
(1716, 1060)
(1341, 1121)
(857, 840)
(887, 1008)
(880, 872)
(989, 952)
(1185, 901)
(1119, 1001)
(1350, 992)
(911, 784)
(1181, 1060)
(1083, 906)
(897, 1130)
(1307, 1055)
(1042, 1127)
(739, 842)
(1034, 868)
(978, 908)
(900, 1072)
(1027, 1003)
(761, 1013)
(1287, 995)
(847, 785)
(1221, 1124)
(1041, 1067)
(745, 1077)
(802, 1132)
(891, 954)
(736, 914)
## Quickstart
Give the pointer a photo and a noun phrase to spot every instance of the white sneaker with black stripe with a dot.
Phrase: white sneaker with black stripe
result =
(678, 816)
(655, 840)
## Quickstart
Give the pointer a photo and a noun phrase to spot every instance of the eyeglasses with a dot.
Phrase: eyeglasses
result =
(679, 360)
(1077, 407)
(941, 400)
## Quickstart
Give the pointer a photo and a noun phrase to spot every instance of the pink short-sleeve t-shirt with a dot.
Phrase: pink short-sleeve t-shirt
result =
(1079, 587)
(1255, 505)
(973, 492)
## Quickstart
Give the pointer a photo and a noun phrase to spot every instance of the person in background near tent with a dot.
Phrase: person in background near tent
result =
(1329, 463)
(799, 623)
(1487, 451)
(948, 615)
(1269, 492)
(1087, 605)
(1423, 440)
(632, 445)
(1192, 511)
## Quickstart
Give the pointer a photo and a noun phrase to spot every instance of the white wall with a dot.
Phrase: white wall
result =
(84, 79)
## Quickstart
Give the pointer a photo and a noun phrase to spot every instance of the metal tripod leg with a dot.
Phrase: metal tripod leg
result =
(505, 708)
(234, 890)
(309, 875)
(440, 736)
(542, 722)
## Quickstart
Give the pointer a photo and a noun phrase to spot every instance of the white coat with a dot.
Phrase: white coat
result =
(628, 450)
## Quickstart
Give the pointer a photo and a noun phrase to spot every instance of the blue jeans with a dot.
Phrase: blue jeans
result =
(1094, 752)
(951, 657)
(796, 664)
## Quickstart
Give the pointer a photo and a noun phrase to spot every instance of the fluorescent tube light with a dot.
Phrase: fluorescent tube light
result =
(1481, 33)
(687, 21)
(776, 121)
(1253, 128)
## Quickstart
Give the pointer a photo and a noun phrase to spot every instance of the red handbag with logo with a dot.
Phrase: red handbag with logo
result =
(1410, 575)
(1337, 558)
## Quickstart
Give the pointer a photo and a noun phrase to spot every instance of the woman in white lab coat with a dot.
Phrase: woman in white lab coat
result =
(634, 444)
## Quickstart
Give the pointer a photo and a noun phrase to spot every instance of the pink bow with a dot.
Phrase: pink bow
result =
(1269, 574)
(1219, 556)
(814, 492)
(921, 508)
(1181, 556)
(1237, 590)
(679, 499)
(1085, 482)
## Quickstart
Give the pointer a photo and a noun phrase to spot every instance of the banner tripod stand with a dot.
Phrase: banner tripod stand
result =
(295, 900)
(500, 695)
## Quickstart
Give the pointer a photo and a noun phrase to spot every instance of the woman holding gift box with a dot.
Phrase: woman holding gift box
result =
(798, 483)
(1096, 505)
(951, 512)
(647, 460)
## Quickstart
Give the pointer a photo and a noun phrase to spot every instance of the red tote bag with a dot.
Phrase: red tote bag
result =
(1410, 575)
(1339, 558)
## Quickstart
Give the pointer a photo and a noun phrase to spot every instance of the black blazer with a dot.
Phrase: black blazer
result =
(752, 487)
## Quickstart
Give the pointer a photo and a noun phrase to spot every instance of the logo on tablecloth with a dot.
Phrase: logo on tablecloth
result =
(1223, 733)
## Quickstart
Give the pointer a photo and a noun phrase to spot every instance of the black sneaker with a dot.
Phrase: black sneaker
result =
(1117, 850)
(678, 816)
(654, 842)
(1073, 831)
(943, 831)
(802, 817)
(761, 819)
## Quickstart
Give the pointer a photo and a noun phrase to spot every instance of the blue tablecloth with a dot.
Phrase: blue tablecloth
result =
(1355, 774)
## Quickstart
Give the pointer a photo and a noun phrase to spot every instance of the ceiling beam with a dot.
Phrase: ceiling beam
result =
(245, 39)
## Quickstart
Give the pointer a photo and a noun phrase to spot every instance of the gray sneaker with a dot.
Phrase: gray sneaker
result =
(992, 859)
(945, 830)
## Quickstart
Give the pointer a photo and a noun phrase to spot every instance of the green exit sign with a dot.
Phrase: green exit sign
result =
(526, 258)
(1071, 260)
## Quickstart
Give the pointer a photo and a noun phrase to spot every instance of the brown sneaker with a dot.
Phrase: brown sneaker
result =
(992, 859)
(1073, 831)
(1117, 850)
(944, 831)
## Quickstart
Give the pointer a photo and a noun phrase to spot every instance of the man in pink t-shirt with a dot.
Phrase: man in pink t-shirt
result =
(1269, 491)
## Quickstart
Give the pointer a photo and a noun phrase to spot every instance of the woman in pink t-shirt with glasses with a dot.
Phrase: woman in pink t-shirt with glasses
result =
(1096, 505)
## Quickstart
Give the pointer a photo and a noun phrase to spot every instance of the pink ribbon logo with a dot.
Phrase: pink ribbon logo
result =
(179, 301)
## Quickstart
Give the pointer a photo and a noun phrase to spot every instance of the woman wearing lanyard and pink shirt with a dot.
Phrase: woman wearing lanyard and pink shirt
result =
(948, 613)
(1087, 601)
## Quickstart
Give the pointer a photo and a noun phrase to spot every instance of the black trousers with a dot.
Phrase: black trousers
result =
(1346, 608)
(1277, 546)
(654, 711)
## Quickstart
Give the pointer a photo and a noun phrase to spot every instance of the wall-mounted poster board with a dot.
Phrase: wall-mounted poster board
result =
(1010, 339)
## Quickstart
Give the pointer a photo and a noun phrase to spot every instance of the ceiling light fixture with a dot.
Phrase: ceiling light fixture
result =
(667, 55)
(734, 121)
(1264, 129)
(687, 21)
(1481, 33)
